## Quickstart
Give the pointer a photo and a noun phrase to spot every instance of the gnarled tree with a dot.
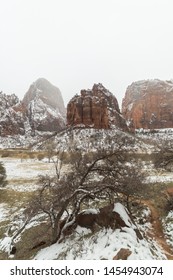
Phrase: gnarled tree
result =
(102, 175)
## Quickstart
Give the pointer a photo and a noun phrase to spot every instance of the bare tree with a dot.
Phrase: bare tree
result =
(102, 175)
(18, 225)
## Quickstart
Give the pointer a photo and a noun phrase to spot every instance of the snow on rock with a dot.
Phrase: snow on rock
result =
(84, 244)
(41, 110)
(45, 106)
(120, 209)
(5, 244)
(102, 245)
(91, 211)
(11, 117)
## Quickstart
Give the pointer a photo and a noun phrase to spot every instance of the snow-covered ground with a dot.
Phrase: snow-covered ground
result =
(22, 175)
(168, 228)
(17, 169)
(104, 244)
(160, 178)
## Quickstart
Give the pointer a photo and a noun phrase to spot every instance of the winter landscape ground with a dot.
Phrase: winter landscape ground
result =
(146, 232)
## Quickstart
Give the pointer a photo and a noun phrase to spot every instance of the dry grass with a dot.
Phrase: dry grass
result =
(15, 201)
(14, 198)
(23, 153)
(22, 181)
(30, 238)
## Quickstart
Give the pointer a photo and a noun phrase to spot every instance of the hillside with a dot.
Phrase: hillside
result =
(23, 168)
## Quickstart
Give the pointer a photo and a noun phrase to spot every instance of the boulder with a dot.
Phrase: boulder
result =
(122, 254)
(105, 217)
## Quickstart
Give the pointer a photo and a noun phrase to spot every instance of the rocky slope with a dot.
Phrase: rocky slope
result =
(42, 109)
(148, 104)
(11, 118)
(97, 108)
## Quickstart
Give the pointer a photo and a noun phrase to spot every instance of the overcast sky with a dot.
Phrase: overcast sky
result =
(76, 43)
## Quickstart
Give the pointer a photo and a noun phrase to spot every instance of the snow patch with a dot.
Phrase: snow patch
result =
(91, 211)
(119, 208)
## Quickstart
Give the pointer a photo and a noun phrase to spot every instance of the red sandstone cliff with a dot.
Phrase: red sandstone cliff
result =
(97, 108)
(149, 104)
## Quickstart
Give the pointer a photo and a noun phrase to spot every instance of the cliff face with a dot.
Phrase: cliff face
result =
(149, 104)
(97, 108)
(44, 106)
(11, 119)
(42, 109)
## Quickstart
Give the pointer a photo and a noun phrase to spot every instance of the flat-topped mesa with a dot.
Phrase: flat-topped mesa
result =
(148, 104)
(96, 108)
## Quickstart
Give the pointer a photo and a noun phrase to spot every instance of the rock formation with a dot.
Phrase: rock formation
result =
(149, 104)
(122, 254)
(11, 119)
(97, 108)
(44, 106)
(42, 109)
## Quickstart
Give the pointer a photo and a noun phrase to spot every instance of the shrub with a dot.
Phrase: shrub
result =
(40, 157)
(3, 176)
(5, 154)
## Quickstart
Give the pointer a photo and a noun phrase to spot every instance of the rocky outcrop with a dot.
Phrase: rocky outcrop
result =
(97, 108)
(122, 254)
(44, 106)
(149, 104)
(11, 117)
(94, 219)
(106, 217)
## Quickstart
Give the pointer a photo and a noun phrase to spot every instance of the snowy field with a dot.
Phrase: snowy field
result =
(22, 175)
(26, 169)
